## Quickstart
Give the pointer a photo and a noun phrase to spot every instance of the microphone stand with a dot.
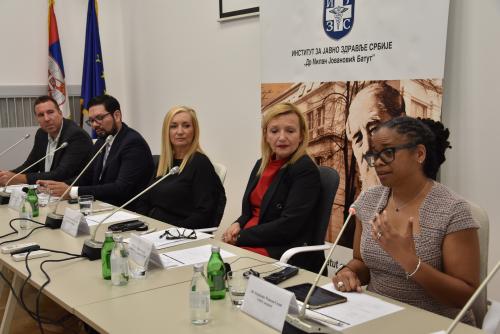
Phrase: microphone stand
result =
(26, 136)
(91, 247)
(473, 298)
(53, 219)
(4, 195)
(301, 321)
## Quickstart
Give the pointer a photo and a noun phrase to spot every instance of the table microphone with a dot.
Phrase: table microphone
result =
(471, 300)
(26, 136)
(53, 219)
(4, 195)
(300, 321)
(91, 247)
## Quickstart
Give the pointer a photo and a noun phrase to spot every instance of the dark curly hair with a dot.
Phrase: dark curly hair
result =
(109, 102)
(433, 135)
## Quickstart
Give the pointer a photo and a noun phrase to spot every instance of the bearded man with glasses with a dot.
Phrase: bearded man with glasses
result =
(124, 167)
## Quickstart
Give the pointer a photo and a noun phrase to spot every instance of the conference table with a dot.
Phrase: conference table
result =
(159, 302)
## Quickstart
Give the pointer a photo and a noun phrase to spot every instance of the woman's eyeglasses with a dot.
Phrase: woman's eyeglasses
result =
(387, 155)
(174, 234)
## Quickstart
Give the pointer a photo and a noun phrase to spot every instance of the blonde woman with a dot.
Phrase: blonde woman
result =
(195, 197)
(282, 191)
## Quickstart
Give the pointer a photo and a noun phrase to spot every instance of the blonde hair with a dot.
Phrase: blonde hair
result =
(275, 111)
(167, 153)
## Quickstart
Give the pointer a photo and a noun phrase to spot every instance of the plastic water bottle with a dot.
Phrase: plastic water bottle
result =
(26, 213)
(215, 274)
(106, 250)
(119, 262)
(199, 297)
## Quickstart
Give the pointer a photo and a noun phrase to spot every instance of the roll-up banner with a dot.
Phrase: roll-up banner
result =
(348, 65)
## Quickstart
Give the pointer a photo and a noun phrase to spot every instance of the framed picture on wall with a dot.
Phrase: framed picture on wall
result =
(232, 9)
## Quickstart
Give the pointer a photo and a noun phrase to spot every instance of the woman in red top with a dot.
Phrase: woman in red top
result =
(284, 186)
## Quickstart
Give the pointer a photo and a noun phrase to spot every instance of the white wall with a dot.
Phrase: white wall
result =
(161, 53)
(177, 53)
(470, 109)
(24, 42)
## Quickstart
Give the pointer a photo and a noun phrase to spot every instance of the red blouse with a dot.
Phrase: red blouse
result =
(257, 195)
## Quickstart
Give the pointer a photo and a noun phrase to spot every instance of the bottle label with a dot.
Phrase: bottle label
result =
(218, 282)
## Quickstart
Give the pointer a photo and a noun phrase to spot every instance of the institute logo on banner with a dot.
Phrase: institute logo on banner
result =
(338, 17)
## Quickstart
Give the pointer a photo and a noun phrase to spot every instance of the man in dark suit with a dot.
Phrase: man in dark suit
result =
(123, 169)
(54, 130)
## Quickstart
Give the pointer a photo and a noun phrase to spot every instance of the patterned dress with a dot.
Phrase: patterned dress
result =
(442, 212)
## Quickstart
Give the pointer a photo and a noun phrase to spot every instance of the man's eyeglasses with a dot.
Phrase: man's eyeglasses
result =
(97, 119)
(387, 155)
(174, 233)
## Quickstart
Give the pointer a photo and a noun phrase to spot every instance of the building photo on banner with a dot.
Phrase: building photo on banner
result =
(347, 69)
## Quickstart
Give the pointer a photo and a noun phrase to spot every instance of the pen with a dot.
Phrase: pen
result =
(326, 319)
(102, 210)
(148, 231)
(164, 234)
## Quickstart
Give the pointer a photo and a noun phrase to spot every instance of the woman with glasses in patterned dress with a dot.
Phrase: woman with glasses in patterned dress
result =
(415, 240)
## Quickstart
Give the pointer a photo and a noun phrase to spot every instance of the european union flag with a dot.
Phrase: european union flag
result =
(93, 83)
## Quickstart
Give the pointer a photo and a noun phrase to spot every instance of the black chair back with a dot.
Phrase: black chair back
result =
(312, 261)
(329, 185)
(156, 160)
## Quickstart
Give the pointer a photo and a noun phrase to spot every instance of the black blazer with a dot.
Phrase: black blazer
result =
(129, 168)
(193, 199)
(287, 211)
(67, 162)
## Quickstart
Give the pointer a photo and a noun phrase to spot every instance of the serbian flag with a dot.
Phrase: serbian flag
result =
(57, 85)
(93, 83)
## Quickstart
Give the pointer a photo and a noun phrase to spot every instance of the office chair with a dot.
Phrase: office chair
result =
(156, 161)
(221, 170)
(480, 306)
(329, 179)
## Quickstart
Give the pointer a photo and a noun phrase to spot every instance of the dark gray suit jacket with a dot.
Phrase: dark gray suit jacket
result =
(129, 168)
(67, 162)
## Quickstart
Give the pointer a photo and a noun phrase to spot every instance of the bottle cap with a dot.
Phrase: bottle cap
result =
(215, 249)
(108, 234)
(198, 268)
(118, 238)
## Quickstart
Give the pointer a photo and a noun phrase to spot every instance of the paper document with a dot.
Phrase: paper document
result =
(163, 242)
(190, 256)
(359, 308)
(118, 217)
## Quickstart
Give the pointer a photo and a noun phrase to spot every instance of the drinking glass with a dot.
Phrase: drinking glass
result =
(85, 203)
(44, 195)
(237, 285)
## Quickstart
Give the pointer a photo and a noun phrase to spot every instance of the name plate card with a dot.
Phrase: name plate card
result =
(16, 199)
(268, 303)
(140, 250)
(74, 223)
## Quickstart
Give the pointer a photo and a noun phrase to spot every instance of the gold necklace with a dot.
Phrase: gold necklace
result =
(400, 207)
